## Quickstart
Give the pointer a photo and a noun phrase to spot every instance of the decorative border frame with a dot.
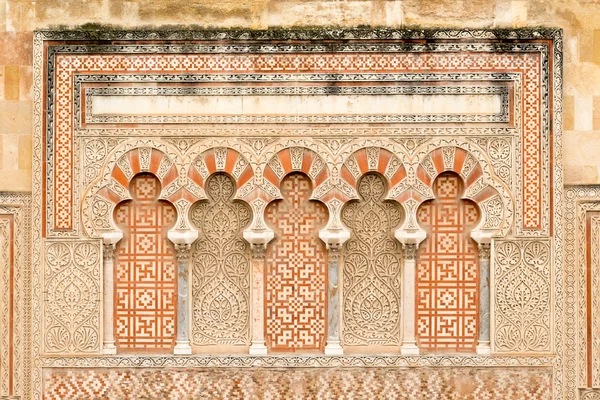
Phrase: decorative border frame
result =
(17, 208)
(324, 35)
(579, 201)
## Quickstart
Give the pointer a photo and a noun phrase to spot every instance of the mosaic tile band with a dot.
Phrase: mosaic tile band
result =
(309, 383)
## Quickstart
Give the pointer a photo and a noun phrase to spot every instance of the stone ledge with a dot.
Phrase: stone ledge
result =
(282, 361)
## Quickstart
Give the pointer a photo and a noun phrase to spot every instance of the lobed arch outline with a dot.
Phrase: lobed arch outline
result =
(372, 157)
(280, 160)
(123, 163)
(221, 158)
(296, 157)
(481, 186)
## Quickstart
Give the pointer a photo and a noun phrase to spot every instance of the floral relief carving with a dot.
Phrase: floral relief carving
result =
(221, 267)
(372, 267)
(72, 297)
(522, 296)
(589, 394)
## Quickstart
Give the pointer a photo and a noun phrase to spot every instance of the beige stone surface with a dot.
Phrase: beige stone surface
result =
(580, 20)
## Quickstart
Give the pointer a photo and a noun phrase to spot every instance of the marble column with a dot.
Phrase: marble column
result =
(257, 342)
(333, 346)
(483, 342)
(182, 342)
(409, 342)
(110, 241)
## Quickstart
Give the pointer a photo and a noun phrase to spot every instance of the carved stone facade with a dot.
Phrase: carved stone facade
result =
(277, 170)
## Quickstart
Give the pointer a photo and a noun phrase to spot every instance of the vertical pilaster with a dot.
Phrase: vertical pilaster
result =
(182, 342)
(483, 343)
(409, 342)
(110, 241)
(108, 346)
(257, 343)
(333, 346)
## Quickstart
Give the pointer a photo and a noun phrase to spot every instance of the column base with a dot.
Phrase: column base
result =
(483, 348)
(333, 348)
(409, 349)
(258, 348)
(109, 348)
(182, 348)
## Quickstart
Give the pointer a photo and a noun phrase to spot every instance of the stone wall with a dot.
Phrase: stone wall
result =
(580, 20)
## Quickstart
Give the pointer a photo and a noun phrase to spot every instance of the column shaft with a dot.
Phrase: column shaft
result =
(483, 345)
(182, 342)
(409, 342)
(109, 346)
(257, 346)
(333, 346)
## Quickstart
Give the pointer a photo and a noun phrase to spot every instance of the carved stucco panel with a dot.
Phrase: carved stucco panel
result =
(72, 297)
(522, 296)
(220, 267)
(371, 268)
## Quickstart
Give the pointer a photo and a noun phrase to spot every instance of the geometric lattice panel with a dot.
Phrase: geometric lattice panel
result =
(221, 267)
(145, 270)
(372, 267)
(447, 270)
(296, 268)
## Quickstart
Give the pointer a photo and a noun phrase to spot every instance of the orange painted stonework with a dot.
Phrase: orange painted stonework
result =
(145, 270)
(296, 270)
(447, 271)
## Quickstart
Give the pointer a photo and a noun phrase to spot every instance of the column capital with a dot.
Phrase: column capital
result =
(109, 243)
(410, 251)
(484, 250)
(333, 251)
(108, 252)
(258, 250)
(182, 251)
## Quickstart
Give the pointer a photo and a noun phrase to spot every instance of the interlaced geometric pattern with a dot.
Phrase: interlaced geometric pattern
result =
(145, 270)
(372, 267)
(221, 267)
(447, 270)
(296, 268)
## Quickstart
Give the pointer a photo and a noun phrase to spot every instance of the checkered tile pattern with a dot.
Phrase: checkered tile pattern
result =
(447, 271)
(296, 268)
(145, 270)
(300, 383)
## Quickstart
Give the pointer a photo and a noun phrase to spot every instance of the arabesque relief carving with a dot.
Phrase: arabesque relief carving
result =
(72, 297)
(372, 267)
(522, 296)
(221, 263)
